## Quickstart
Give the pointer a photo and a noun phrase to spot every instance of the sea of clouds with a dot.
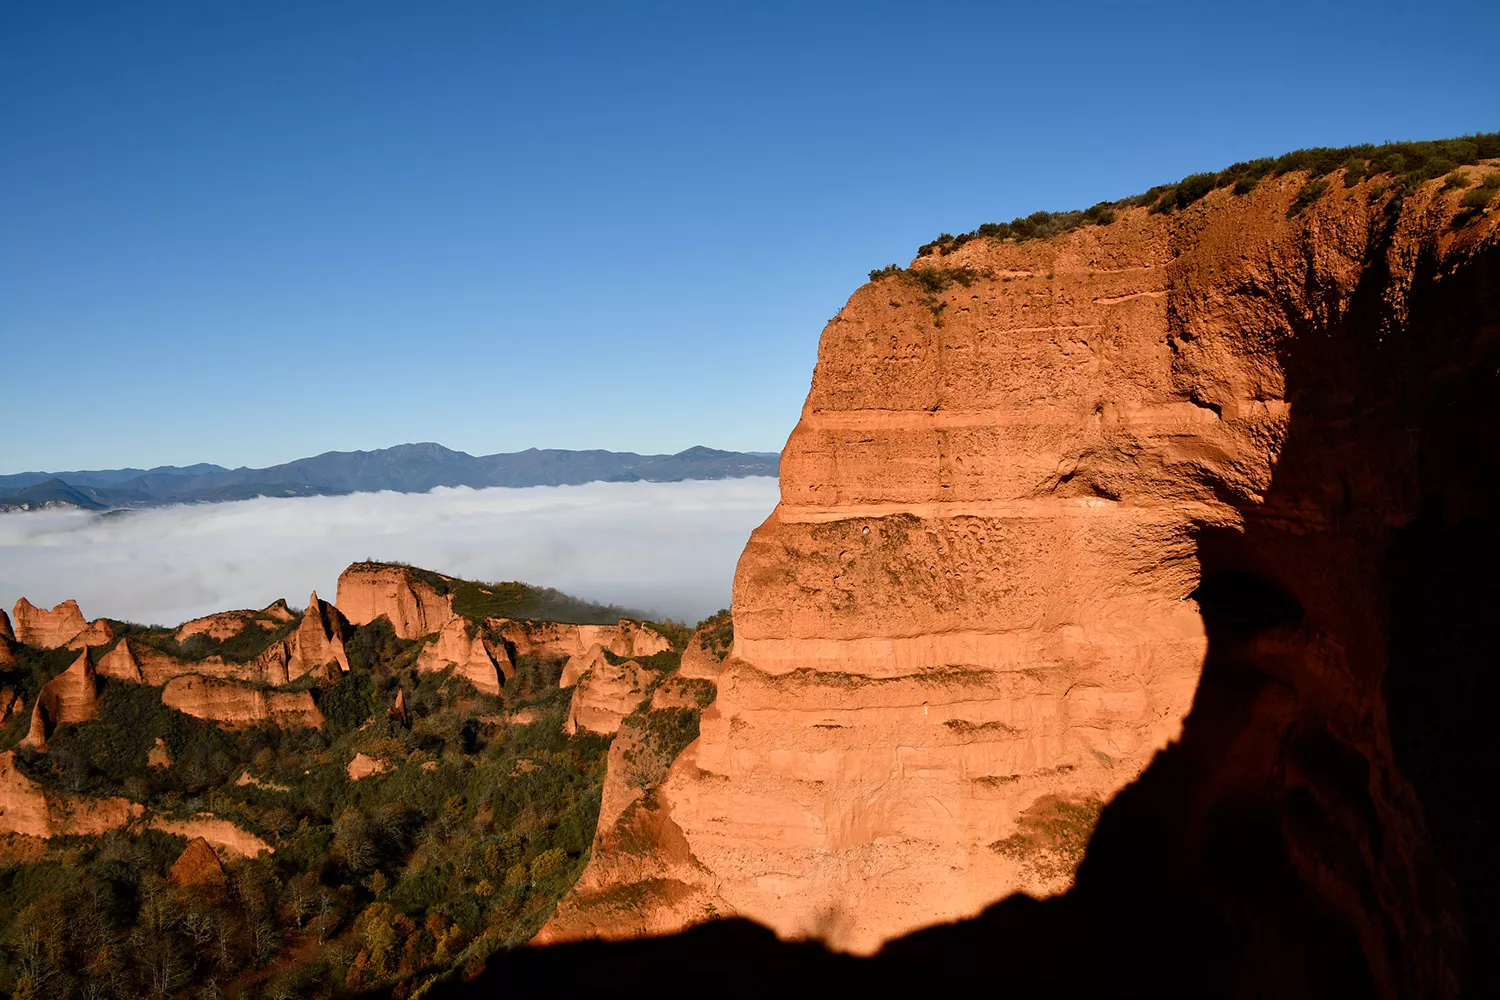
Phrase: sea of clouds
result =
(667, 548)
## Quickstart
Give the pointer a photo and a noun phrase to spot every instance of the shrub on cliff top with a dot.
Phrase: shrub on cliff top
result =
(1407, 163)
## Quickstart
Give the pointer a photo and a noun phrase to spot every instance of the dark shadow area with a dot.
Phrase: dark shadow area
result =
(1322, 828)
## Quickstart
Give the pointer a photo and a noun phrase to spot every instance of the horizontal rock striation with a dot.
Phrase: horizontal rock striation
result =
(235, 705)
(1050, 500)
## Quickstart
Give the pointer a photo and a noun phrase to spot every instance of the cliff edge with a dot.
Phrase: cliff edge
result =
(1107, 521)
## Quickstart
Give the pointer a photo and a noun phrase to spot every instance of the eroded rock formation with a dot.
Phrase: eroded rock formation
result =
(27, 808)
(120, 664)
(556, 640)
(317, 647)
(6, 632)
(606, 692)
(471, 657)
(98, 632)
(1058, 497)
(219, 833)
(233, 704)
(413, 606)
(47, 629)
(363, 766)
(198, 867)
(71, 696)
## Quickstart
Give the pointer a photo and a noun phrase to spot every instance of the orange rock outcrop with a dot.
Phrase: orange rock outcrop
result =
(71, 696)
(557, 640)
(220, 833)
(234, 705)
(28, 809)
(47, 629)
(98, 632)
(317, 647)
(159, 756)
(471, 657)
(198, 867)
(227, 624)
(978, 600)
(363, 766)
(6, 632)
(368, 591)
(606, 692)
(120, 664)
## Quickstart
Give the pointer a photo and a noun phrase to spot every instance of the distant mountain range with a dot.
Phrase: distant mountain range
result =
(407, 468)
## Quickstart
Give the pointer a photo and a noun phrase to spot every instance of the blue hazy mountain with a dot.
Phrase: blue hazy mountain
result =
(407, 468)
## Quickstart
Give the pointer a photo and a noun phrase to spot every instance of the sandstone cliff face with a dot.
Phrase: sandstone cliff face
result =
(606, 693)
(219, 833)
(317, 647)
(47, 629)
(414, 609)
(642, 879)
(71, 696)
(198, 866)
(26, 808)
(233, 705)
(987, 596)
(120, 664)
(5, 630)
(227, 624)
(470, 656)
(97, 633)
(557, 640)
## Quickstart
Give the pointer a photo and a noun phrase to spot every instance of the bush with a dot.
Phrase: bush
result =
(1306, 195)
(1407, 163)
(1479, 198)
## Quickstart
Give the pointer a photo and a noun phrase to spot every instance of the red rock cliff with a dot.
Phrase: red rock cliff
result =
(1055, 500)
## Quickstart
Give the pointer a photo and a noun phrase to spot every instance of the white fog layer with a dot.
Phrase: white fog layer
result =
(668, 548)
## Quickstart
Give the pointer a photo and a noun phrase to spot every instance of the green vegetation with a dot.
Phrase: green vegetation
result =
(513, 599)
(1478, 199)
(259, 634)
(461, 848)
(932, 281)
(1306, 195)
(717, 633)
(1404, 164)
(1052, 836)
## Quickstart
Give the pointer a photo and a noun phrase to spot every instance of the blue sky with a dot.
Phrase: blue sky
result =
(244, 233)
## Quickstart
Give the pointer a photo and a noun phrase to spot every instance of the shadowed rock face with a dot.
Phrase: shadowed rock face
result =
(1184, 516)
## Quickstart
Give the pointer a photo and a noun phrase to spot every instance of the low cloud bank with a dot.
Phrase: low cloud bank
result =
(669, 548)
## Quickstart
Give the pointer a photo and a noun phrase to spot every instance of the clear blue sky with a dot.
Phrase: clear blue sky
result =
(243, 233)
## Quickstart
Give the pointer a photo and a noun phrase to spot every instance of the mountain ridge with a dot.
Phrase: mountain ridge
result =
(406, 468)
